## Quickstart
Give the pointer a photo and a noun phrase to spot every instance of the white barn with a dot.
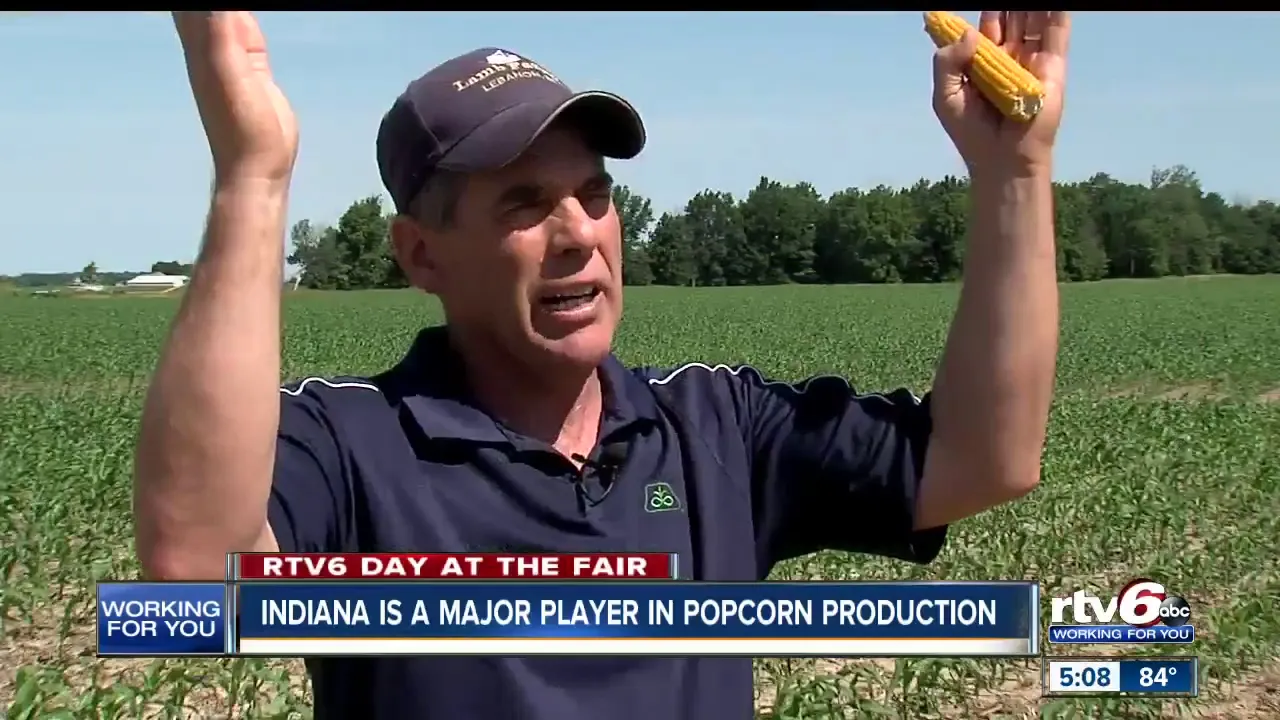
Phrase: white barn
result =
(156, 282)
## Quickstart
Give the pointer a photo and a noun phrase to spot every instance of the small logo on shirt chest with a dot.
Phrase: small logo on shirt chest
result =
(659, 497)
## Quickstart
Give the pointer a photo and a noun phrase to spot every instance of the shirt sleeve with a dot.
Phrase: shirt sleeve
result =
(310, 507)
(832, 469)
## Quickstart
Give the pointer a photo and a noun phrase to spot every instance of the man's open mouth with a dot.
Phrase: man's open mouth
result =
(570, 300)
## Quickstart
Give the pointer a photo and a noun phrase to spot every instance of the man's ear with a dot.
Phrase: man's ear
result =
(415, 253)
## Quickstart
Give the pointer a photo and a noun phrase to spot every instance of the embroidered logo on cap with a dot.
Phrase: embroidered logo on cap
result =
(505, 67)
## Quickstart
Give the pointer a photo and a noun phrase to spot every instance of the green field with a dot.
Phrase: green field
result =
(1164, 460)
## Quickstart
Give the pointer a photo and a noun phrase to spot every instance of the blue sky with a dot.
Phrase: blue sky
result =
(102, 156)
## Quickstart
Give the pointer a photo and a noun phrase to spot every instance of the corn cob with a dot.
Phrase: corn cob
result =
(1002, 80)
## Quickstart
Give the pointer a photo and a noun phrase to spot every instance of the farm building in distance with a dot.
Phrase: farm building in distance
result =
(156, 281)
(79, 285)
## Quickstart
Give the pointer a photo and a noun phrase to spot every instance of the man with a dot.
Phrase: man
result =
(514, 428)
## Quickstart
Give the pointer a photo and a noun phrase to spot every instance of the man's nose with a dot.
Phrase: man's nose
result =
(574, 230)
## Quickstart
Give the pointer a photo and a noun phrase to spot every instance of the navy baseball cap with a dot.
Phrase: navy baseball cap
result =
(481, 110)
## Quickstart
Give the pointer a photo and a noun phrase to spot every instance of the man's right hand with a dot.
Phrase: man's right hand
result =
(207, 441)
(252, 132)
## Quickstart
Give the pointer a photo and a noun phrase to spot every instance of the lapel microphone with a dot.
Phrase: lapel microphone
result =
(605, 470)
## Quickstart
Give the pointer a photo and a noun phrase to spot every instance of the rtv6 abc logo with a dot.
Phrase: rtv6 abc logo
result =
(1140, 603)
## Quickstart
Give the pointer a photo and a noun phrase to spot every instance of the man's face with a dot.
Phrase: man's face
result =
(532, 261)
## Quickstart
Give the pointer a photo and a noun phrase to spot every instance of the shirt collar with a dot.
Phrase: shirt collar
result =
(437, 397)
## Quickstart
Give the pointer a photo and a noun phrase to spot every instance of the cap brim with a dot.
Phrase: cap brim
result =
(609, 125)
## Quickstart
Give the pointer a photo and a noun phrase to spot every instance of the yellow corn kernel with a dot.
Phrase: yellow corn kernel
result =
(1002, 80)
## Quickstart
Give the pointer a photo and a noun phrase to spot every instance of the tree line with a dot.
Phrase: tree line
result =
(781, 233)
(91, 275)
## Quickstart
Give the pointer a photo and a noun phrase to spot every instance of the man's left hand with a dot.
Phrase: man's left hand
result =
(989, 142)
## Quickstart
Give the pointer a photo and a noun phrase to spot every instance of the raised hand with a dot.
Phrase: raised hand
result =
(252, 132)
(985, 138)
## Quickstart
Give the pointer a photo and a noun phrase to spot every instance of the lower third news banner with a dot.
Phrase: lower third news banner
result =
(140, 619)
(745, 619)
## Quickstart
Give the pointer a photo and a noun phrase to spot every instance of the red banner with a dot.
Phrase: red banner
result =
(449, 566)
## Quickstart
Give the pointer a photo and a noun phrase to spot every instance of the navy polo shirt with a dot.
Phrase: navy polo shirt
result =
(747, 472)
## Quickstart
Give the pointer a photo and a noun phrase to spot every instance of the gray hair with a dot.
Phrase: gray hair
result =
(436, 205)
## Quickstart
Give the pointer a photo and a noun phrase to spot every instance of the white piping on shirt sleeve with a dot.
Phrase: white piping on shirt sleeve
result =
(799, 388)
(302, 385)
